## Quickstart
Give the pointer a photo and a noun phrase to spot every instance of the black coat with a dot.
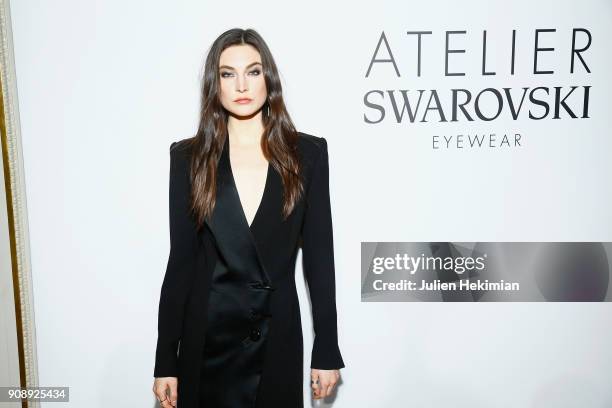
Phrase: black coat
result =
(267, 247)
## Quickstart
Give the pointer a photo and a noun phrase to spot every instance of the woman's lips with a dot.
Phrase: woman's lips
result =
(242, 101)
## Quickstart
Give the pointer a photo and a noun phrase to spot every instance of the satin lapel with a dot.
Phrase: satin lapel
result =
(229, 225)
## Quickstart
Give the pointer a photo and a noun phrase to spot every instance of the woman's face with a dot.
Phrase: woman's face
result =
(241, 77)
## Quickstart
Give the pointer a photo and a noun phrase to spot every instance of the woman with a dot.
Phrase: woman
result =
(245, 192)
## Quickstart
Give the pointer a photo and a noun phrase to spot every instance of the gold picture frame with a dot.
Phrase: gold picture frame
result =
(16, 214)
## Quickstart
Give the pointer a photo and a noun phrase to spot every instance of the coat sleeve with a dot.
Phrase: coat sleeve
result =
(179, 270)
(318, 259)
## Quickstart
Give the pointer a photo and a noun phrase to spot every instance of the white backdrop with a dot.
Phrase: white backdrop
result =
(105, 86)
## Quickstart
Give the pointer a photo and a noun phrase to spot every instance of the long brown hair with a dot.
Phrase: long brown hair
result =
(279, 139)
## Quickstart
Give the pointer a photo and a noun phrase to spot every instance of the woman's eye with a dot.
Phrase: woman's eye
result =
(228, 74)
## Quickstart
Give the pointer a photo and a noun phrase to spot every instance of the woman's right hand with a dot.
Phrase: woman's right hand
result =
(165, 390)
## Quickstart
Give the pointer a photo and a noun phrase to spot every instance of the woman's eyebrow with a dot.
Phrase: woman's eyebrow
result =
(247, 67)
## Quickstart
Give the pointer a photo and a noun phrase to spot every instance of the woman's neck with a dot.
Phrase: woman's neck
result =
(245, 132)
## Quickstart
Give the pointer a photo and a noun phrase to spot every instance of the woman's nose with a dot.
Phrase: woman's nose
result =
(241, 84)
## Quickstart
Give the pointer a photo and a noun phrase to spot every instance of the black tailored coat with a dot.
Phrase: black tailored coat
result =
(266, 250)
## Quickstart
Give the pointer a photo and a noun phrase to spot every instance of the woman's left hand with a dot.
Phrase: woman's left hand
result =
(323, 382)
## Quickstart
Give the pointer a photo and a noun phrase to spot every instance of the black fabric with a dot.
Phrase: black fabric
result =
(255, 266)
(236, 337)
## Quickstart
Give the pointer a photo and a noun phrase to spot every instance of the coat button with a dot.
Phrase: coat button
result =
(261, 285)
(255, 334)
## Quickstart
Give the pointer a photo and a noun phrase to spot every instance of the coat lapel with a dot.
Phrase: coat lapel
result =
(229, 225)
